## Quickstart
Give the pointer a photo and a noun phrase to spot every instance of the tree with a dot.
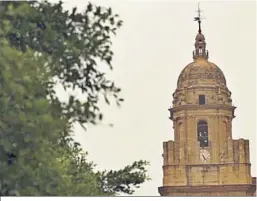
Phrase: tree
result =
(73, 43)
(42, 43)
(26, 121)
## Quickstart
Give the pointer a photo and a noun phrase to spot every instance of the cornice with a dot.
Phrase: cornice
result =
(205, 165)
(202, 87)
(197, 107)
(166, 190)
(185, 108)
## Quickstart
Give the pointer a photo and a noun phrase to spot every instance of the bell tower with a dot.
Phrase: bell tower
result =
(203, 159)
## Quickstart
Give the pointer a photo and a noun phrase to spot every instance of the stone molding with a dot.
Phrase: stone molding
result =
(166, 190)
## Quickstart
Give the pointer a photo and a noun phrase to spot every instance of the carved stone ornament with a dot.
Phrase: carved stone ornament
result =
(222, 156)
(191, 116)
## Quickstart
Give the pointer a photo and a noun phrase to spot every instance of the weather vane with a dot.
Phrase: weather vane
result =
(199, 17)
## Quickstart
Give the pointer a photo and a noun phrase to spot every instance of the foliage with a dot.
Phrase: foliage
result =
(123, 181)
(73, 43)
(41, 43)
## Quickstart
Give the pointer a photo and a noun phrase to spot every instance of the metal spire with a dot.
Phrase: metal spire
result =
(199, 17)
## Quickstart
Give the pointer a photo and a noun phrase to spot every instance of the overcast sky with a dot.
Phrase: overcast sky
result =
(151, 49)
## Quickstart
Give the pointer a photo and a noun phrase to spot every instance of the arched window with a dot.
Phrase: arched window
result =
(202, 133)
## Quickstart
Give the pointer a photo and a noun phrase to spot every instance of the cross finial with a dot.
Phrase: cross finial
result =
(199, 10)
(199, 18)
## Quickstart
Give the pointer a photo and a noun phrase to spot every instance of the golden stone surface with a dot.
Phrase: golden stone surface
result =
(228, 170)
(201, 72)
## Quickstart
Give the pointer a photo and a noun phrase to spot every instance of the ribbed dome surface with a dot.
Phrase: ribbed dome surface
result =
(201, 72)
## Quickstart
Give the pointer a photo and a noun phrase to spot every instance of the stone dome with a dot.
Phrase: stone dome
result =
(201, 72)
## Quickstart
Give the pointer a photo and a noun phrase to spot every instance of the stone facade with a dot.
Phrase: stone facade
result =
(224, 169)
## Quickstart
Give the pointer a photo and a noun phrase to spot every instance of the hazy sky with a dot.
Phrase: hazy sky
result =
(151, 49)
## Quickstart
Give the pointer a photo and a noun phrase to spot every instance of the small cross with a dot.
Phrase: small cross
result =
(199, 17)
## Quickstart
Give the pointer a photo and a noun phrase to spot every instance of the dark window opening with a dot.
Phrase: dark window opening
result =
(202, 133)
(201, 99)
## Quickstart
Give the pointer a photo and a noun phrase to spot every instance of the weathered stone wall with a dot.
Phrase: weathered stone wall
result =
(229, 162)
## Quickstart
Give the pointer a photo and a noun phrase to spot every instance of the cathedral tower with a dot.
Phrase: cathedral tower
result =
(203, 159)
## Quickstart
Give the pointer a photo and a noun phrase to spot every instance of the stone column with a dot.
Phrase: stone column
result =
(230, 141)
(218, 152)
(213, 137)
